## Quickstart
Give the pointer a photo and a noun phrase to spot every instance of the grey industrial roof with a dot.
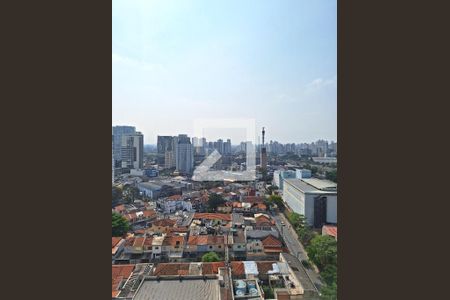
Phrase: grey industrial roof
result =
(149, 185)
(198, 289)
(308, 187)
(320, 184)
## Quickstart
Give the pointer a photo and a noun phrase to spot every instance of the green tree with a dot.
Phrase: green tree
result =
(329, 292)
(306, 234)
(214, 201)
(275, 199)
(268, 292)
(297, 220)
(329, 274)
(120, 225)
(210, 257)
(322, 250)
(331, 175)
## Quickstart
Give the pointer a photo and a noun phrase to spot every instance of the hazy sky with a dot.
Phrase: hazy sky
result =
(272, 61)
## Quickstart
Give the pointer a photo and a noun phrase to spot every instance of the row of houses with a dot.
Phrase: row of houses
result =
(214, 280)
(166, 240)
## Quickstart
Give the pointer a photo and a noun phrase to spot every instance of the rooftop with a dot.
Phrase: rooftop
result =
(330, 230)
(164, 223)
(270, 241)
(306, 187)
(119, 274)
(213, 216)
(188, 288)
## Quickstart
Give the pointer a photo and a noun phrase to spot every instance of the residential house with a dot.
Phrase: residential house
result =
(263, 222)
(272, 245)
(162, 226)
(201, 244)
(118, 245)
(173, 246)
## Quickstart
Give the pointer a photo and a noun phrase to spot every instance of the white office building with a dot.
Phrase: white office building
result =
(314, 198)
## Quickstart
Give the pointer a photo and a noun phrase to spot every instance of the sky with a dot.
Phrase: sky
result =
(272, 61)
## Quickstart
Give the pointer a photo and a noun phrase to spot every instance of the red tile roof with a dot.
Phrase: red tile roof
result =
(271, 242)
(172, 240)
(115, 241)
(171, 269)
(212, 267)
(237, 268)
(119, 273)
(264, 266)
(206, 240)
(330, 230)
(263, 221)
(149, 213)
(213, 216)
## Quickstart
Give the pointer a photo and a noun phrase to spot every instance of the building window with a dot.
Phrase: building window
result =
(220, 247)
(210, 247)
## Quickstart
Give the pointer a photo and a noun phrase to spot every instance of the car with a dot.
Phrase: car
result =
(282, 223)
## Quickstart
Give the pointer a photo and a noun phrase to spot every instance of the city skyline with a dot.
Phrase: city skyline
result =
(273, 63)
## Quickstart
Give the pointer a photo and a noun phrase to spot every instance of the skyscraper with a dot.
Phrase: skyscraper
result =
(117, 132)
(164, 144)
(227, 147)
(184, 154)
(132, 151)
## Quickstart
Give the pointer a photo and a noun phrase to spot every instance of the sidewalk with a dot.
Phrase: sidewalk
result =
(294, 233)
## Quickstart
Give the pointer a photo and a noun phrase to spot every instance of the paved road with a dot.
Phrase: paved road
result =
(294, 246)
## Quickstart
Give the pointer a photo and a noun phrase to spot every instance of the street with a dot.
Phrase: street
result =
(294, 245)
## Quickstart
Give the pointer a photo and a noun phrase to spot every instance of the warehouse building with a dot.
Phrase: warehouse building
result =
(314, 198)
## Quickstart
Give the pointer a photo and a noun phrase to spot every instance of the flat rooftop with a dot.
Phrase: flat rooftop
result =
(174, 289)
(313, 185)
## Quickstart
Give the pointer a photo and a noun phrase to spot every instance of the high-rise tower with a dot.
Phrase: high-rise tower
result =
(263, 152)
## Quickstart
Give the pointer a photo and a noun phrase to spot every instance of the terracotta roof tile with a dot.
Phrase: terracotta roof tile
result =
(149, 213)
(119, 273)
(271, 242)
(171, 269)
(212, 267)
(115, 241)
(172, 241)
(237, 268)
(330, 230)
(213, 216)
(264, 266)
